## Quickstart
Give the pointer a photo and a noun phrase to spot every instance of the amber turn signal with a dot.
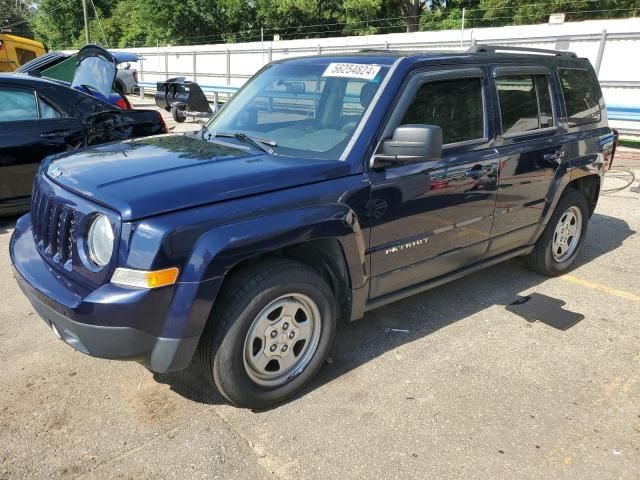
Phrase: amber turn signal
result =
(145, 278)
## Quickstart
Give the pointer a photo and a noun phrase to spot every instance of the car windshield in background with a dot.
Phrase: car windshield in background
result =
(95, 73)
(305, 110)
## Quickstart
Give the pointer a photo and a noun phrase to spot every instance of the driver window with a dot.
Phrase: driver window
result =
(454, 105)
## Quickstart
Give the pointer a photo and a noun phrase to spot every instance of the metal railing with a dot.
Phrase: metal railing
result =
(560, 42)
(218, 81)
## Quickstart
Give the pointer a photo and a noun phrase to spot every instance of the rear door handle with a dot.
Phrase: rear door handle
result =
(554, 157)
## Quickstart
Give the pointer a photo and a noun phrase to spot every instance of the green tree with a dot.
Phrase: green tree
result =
(14, 16)
(60, 23)
(131, 23)
(518, 12)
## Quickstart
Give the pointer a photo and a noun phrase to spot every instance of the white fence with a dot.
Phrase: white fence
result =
(612, 46)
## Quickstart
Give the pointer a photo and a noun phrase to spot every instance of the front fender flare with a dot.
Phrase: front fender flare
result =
(219, 250)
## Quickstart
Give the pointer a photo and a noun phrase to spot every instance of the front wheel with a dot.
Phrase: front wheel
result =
(269, 334)
(562, 239)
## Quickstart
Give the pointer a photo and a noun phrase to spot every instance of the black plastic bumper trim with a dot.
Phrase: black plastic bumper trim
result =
(159, 354)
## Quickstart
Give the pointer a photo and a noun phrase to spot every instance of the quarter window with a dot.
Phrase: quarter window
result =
(17, 105)
(454, 105)
(525, 103)
(581, 96)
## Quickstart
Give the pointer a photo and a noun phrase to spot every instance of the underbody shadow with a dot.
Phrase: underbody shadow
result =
(389, 327)
(7, 223)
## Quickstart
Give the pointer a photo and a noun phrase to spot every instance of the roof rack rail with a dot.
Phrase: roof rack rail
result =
(481, 48)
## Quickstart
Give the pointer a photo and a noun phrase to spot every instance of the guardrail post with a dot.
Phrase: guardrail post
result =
(319, 50)
(228, 67)
(603, 43)
(141, 71)
(195, 68)
(270, 54)
(166, 64)
(386, 45)
(215, 102)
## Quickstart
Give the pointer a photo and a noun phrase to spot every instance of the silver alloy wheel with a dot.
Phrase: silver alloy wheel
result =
(567, 234)
(282, 340)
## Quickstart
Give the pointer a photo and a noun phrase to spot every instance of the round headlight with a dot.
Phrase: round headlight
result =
(100, 240)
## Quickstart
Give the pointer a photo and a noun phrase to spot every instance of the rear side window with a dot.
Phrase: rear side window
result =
(454, 105)
(581, 96)
(525, 103)
(17, 105)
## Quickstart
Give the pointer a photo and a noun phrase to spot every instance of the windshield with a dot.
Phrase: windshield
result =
(304, 110)
(95, 73)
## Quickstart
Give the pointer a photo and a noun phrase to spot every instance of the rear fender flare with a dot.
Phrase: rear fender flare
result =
(561, 179)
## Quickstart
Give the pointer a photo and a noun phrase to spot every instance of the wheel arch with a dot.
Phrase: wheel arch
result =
(324, 255)
(588, 184)
(327, 238)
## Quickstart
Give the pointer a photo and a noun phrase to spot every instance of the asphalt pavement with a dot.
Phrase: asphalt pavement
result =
(503, 374)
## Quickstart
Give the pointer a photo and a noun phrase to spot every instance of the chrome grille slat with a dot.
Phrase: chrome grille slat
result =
(36, 214)
(46, 221)
(42, 205)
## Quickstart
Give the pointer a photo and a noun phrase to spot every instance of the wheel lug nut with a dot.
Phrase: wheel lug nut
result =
(285, 325)
(292, 334)
(274, 334)
(273, 347)
(284, 348)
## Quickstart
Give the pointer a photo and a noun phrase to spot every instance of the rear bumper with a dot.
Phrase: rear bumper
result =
(50, 297)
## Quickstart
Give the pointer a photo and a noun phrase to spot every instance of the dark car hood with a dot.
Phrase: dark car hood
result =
(153, 175)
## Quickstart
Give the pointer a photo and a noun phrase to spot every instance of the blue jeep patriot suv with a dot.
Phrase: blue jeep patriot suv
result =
(326, 187)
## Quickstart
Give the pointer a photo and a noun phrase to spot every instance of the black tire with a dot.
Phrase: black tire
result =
(541, 259)
(244, 296)
(176, 115)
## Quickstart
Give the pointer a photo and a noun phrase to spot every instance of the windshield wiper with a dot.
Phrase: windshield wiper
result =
(257, 142)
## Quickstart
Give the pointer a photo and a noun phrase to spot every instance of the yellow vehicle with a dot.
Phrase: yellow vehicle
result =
(14, 51)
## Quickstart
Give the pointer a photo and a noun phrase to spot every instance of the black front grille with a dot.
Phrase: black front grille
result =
(53, 223)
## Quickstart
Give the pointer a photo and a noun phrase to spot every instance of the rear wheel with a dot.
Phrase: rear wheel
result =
(562, 239)
(177, 112)
(269, 334)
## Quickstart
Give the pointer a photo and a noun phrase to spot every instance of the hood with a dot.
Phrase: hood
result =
(153, 175)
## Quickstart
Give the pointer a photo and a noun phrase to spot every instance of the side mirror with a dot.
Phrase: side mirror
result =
(409, 144)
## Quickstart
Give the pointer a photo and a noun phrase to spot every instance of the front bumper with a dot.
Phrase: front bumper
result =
(80, 321)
